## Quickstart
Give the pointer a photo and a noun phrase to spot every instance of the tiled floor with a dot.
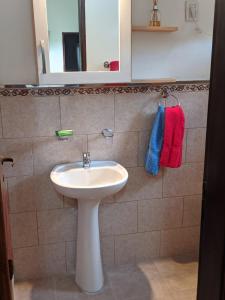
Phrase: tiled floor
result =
(161, 279)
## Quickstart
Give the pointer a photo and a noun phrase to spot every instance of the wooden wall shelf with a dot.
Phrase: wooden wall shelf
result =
(154, 29)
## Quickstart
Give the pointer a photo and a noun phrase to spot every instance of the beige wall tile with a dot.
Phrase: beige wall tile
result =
(108, 250)
(196, 145)
(192, 210)
(195, 105)
(56, 225)
(24, 229)
(126, 148)
(191, 239)
(136, 247)
(171, 242)
(180, 241)
(87, 114)
(70, 257)
(42, 261)
(118, 218)
(159, 214)
(141, 186)
(187, 180)
(148, 245)
(44, 193)
(50, 151)
(29, 193)
(123, 148)
(69, 202)
(21, 151)
(30, 116)
(100, 147)
(134, 112)
(144, 137)
(21, 194)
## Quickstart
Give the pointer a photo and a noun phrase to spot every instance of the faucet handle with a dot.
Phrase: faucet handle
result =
(86, 155)
(86, 159)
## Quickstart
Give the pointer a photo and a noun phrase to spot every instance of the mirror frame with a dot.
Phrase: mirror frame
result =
(81, 77)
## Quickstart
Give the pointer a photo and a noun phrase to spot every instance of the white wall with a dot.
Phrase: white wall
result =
(184, 55)
(17, 45)
(102, 33)
(62, 17)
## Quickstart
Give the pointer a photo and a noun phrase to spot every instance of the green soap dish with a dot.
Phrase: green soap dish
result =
(64, 133)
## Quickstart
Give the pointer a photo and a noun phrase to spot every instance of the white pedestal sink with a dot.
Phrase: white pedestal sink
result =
(89, 186)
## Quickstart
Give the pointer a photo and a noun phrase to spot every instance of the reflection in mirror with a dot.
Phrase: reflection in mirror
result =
(83, 35)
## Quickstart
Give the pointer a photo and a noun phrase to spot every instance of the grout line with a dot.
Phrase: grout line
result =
(66, 256)
(43, 245)
(160, 242)
(41, 211)
(163, 175)
(150, 231)
(60, 113)
(114, 113)
(138, 147)
(36, 214)
(114, 249)
(182, 223)
(39, 137)
(186, 142)
(137, 202)
(82, 134)
(32, 151)
(1, 117)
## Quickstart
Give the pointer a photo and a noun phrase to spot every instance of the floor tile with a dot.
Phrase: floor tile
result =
(42, 289)
(176, 265)
(155, 279)
(136, 283)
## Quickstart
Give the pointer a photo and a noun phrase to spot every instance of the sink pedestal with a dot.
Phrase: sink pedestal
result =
(89, 272)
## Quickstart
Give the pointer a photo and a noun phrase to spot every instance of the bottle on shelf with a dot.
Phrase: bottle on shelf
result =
(155, 15)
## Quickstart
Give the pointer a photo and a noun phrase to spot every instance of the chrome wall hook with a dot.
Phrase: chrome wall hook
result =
(107, 133)
(166, 94)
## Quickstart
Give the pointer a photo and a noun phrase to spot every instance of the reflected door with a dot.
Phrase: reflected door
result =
(71, 52)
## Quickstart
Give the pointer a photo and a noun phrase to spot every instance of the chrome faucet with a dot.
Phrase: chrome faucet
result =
(86, 159)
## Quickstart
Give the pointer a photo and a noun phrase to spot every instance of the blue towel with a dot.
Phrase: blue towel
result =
(152, 159)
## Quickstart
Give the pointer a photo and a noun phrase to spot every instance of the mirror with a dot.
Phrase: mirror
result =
(83, 41)
(83, 35)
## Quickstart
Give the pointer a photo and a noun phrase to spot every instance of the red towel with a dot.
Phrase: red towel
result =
(171, 155)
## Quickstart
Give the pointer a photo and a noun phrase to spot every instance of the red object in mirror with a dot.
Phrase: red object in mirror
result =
(114, 65)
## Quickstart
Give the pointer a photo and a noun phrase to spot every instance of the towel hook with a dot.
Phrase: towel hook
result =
(166, 94)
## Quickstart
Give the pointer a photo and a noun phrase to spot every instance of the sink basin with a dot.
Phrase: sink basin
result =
(89, 186)
(102, 179)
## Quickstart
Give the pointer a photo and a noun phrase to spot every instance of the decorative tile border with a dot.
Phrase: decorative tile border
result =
(104, 89)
